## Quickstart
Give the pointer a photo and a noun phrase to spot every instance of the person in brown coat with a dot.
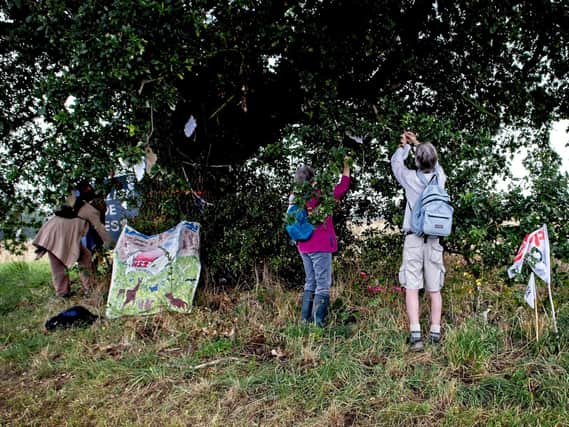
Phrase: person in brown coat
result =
(61, 238)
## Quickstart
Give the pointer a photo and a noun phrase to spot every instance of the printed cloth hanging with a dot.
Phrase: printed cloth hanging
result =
(155, 273)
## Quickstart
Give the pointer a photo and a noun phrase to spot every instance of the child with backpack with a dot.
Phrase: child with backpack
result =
(316, 251)
(422, 264)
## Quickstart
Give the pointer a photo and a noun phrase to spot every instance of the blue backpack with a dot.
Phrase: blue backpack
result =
(432, 213)
(300, 229)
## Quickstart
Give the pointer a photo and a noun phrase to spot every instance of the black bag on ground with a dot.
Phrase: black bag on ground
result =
(74, 316)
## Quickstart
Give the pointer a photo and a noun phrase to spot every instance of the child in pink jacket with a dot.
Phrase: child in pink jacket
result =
(316, 252)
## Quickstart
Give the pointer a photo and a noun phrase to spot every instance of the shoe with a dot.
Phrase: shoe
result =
(320, 309)
(67, 295)
(435, 338)
(416, 343)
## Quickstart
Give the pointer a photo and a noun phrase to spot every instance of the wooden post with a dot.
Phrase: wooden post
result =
(552, 309)
(536, 317)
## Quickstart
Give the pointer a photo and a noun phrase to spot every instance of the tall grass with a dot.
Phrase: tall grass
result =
(19, 282)
(242, 358)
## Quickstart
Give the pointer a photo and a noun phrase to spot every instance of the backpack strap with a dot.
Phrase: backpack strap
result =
(423, 178)
(424, 181)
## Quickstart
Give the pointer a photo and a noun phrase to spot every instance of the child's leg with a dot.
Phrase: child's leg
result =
(436, 310)
(434, 279)
(323, 273)
(322, 262)
(436, 307)
(59, 276)
(310, 277)
(85, 267)
(411, 277)
(309, 288)
(412, 306)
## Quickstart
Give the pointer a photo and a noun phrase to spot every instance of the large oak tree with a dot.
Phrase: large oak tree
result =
(85, 82)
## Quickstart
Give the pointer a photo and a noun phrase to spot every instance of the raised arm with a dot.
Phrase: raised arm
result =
(400, 171)
(91, 214)
(342, 187)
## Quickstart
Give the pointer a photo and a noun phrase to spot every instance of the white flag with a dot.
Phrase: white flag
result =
(535, 250)
(139, 169)
(530, 291)
(538, 254)
(190, 126)
(519, 259)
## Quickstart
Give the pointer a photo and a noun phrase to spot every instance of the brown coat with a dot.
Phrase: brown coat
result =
(62, 236)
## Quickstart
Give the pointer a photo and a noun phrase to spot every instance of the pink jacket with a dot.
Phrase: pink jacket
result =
(323, 238)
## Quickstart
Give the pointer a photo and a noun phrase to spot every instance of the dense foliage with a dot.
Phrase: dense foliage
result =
(271, 83)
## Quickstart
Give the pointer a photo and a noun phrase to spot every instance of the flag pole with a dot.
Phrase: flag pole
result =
(536, 317)
(548, 260)
(552, 309)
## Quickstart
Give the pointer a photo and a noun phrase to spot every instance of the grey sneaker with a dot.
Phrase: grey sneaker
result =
(415, 343)
(435, 338)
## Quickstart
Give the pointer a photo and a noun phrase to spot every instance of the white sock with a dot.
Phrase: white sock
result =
(415, 329)
(436, 329)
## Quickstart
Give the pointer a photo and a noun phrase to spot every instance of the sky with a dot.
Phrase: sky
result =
(559, 138)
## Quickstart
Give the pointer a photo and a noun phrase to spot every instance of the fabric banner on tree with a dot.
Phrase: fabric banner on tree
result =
(155, 273)
(122, 204)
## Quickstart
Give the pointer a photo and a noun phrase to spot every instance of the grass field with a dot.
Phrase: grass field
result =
(241, 358)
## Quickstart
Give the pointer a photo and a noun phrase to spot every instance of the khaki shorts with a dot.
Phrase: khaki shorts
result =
(422, 260)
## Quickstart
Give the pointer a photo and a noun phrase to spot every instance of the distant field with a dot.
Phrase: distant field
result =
(28, 255)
